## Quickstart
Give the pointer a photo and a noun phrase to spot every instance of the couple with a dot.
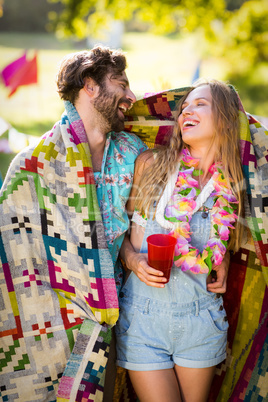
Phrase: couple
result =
(63, 223)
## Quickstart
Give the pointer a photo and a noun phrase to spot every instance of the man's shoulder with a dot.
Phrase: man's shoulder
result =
(129, 138)
(127, 135)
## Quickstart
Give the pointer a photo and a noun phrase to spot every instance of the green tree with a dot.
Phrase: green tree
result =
(86, 17)
(243, 39)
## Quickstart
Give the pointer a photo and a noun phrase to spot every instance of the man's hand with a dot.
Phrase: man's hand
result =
(217, 280)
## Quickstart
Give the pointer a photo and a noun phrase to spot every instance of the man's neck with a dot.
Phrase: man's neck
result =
(96, 140)
(96, 133)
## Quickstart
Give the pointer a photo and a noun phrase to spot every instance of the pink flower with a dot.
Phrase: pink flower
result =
(230, 198)
(182, 246)
(186, 205)
(187, 261)
(182, 229)
(188, 159)
(215, 243)
(226, 221)
(221, 203)
(192, 182)
(223, 232)
(217, 256)
(201, 267)
(196, 269)
(171, 211)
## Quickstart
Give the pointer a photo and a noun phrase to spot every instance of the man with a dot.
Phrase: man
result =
(59, 299)
(63, 219)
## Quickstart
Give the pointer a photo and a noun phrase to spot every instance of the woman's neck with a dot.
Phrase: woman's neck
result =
(206, 159)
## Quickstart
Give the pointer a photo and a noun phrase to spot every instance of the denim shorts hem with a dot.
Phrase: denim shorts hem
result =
(145, 367)
(199, 364)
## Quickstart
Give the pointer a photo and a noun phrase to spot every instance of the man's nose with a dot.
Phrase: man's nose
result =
(131, 97)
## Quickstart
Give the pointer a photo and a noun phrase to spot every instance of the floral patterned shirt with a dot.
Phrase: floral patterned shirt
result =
(113, 186)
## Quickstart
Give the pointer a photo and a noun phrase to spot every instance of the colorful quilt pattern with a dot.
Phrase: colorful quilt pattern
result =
(58, 297)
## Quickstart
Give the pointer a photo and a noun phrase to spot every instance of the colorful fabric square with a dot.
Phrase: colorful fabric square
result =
(58, 296)
(243, 376)
(86, 375)
(152, 118)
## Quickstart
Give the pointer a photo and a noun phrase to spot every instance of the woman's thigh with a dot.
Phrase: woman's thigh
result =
(194, 383)
(156, 385)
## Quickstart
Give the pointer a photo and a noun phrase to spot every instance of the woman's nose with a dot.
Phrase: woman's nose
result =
(187, 110)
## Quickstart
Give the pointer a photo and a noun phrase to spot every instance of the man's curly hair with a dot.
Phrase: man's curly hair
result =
(95, 63)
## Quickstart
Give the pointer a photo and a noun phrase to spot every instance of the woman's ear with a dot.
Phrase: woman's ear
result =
(90, 86)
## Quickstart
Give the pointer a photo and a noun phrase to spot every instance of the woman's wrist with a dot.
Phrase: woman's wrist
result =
(127, 253)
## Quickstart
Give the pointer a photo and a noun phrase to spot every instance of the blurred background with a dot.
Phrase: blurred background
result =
(168, 44)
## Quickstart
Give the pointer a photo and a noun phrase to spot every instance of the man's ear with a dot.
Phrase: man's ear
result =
(90, 86)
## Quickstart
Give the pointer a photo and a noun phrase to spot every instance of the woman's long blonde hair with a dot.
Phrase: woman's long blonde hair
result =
(225, 110)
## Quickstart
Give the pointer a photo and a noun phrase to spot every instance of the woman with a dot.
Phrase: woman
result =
(171, 336)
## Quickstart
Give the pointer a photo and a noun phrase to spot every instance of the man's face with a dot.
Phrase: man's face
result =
(114, 98)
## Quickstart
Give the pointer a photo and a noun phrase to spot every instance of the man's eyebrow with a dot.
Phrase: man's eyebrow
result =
(119, 78)
(124, 80)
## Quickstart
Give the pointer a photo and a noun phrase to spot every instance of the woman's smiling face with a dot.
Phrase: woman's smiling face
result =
(196, 119)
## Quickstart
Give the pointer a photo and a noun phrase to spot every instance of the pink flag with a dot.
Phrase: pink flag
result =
(25, 75)
(11, 68)
(20, 72)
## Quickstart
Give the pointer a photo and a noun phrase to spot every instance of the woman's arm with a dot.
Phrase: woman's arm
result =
(138, 263)
(129, 252)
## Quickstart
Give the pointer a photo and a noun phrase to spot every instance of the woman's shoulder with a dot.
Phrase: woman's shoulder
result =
(143, 162)
(147, 157)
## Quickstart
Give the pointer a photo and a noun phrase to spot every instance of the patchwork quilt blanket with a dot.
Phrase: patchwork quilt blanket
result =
(243, 375)
(58, 297)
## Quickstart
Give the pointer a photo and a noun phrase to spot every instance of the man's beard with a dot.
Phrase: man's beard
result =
(107, 105)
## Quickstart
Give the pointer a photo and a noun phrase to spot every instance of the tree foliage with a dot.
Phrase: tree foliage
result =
(233, 29)
(244, 37)
(86, 17)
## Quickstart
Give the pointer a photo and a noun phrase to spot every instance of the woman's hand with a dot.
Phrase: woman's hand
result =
(217, 283)
(138, 263)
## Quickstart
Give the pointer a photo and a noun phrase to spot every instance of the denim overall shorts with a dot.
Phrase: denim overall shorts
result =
(181, 324)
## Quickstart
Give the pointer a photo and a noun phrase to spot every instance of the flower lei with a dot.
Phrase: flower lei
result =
(184, 201)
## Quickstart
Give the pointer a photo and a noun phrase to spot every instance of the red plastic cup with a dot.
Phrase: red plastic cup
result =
(161, 250)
